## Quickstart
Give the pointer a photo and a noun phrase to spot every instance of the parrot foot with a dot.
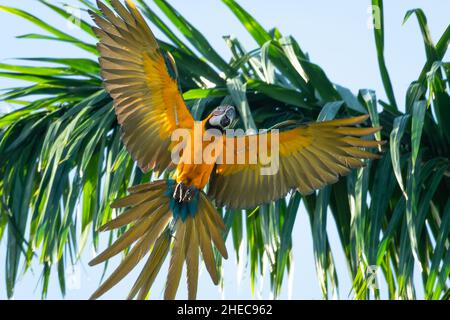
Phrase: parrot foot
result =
(183, 193)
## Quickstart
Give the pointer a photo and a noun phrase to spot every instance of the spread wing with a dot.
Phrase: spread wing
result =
(142, 81)
(310, 157)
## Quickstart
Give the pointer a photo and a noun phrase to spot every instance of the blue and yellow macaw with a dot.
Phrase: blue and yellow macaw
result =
(175, 214)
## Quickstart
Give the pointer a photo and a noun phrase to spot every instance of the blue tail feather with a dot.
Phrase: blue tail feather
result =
(181, 209)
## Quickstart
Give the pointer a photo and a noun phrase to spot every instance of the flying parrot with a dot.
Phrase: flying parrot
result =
(175, 215)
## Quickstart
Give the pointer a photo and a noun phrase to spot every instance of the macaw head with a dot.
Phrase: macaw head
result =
(221, 117)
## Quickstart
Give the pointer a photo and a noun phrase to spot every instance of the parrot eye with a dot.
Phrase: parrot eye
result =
(218, 111)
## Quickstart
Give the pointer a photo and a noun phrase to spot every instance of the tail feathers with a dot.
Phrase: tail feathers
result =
(155, 229)
(142, 228)
(209, 218)
(132, 215)
(133, 199)
(151, 186)
(207, 252)
(148, 274)
(192, 252)
(176, 261)
(139, 250)
(194, 235)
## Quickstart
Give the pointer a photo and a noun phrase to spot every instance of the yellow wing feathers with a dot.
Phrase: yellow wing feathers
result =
(146, 97)
(310, 157)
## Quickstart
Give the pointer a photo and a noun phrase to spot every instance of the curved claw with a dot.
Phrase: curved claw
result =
(183, 193)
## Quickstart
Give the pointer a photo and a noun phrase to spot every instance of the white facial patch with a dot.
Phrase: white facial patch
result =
(215, 121)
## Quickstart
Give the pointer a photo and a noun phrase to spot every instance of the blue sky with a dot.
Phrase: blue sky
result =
(335, 35)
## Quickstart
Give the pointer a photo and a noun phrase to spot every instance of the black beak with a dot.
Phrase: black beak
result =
(225, 121)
